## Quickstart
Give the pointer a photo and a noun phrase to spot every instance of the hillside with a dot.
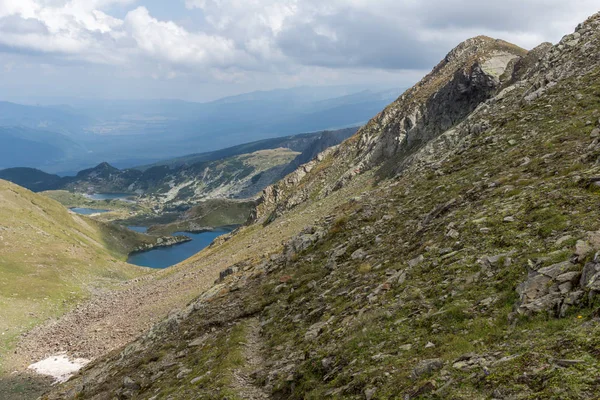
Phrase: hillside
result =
(51, 259)
(31, 178)
(447, 250)
(21, 146)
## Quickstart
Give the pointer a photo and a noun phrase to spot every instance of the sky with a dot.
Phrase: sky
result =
(201, 50)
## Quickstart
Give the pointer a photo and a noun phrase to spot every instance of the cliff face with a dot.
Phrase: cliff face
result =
(469, 75)
(460, 261)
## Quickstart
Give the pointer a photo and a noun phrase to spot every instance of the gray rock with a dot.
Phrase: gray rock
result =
(582, 250)
(359, 254)
(453, 233)
(416, 261)
(589, 270)
(568, 277)
(130, 384)
(314, 331)
(327, 363)
(426, 367)
(369, 393)
(563, 239)
(183, 373)
(555, 270)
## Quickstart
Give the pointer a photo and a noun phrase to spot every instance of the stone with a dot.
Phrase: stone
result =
(405, 347)
(426, 367)
(462, 365)
(582, 250)
(198, 341)
(327, 363)
(314, 331)
(589, 271)
(453, 233)
(555, 270)
(568, 277)
(429, 345)
(563, 239)
(130, 384)
(534, 287)
(183, 373)
(416, 261)
(359, 254)
(574, 297)
(565, 287)
(509, 219)
(370, 392)
(595, 133)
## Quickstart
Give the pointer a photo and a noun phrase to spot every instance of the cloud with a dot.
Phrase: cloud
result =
(169, 42)
(235, 38)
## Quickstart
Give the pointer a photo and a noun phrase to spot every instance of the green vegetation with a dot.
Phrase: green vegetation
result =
(51, 259)
(210, 213)
(410, 279)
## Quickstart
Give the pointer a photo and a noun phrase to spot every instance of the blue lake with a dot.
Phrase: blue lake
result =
(164, 257)
(87, 211)
(109, 196)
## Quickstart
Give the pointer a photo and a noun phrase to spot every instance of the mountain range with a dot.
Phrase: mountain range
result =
(450, 248)
(129, 133)
(238, 172)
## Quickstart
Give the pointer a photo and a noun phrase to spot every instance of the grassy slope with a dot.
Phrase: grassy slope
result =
(51, 259)
(531, 166)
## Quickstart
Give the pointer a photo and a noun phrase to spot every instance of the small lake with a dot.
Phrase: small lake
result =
(87, 211)
(110, 196)
(164, 257)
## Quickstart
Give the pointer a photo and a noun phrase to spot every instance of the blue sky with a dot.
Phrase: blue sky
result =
(204, 49)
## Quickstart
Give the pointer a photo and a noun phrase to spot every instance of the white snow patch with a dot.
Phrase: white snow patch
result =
(60, 367)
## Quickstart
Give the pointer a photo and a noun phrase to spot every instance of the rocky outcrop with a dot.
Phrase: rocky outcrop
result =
(558, 287)
(469, 75)
(165, 241)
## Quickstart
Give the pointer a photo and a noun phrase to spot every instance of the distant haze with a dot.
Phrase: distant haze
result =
(67, 137)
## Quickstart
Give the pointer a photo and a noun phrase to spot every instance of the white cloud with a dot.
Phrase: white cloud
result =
(240, 39)
(169, 42)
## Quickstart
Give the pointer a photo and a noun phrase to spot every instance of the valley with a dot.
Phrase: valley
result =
(448, 248)
(452, 264)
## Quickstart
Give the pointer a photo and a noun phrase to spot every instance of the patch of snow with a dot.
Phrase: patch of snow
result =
(60, 367)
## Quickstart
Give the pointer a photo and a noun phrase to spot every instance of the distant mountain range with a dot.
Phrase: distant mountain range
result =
(72, 137)
(237, 172)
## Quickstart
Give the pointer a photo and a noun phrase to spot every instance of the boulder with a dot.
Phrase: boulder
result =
(426, 367)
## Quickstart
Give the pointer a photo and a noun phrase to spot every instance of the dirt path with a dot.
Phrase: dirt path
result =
(253, 349)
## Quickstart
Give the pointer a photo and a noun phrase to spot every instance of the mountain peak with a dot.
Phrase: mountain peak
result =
(104, 165)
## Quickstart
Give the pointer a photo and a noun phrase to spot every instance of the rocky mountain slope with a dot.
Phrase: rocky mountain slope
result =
(448, 250)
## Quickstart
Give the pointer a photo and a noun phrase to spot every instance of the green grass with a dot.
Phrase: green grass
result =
(50, 259)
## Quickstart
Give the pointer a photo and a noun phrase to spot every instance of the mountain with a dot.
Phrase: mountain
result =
(128, 133)
(31, 178)
(34, 148)
(299, 143)
(449, 249)
(63, 120)
(239, 172)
